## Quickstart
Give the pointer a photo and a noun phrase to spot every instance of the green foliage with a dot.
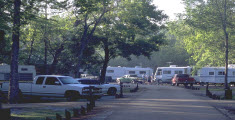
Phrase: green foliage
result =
(133, 28)
(173, 52)
(202, 30)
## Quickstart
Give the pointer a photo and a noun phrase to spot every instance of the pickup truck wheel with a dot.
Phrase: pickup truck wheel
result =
(112, 91)
(71, 95)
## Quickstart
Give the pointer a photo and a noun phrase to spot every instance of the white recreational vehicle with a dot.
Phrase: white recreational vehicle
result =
(165, 74)
(204, 75)
(216, 74)
(26, 72)
(116, 72)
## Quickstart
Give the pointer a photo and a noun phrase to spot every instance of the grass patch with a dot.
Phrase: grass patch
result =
(213, 89)
(37, 114)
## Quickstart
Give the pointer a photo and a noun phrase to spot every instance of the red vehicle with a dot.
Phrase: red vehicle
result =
(184, 79)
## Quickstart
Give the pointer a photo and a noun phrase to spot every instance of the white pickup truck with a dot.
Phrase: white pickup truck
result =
(54, 86)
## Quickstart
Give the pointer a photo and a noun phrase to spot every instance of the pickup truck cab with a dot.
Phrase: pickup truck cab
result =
(182, 79)
(110, 89)
(53, 86)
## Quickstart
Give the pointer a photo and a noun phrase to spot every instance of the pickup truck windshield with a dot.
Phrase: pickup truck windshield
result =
(68, 80)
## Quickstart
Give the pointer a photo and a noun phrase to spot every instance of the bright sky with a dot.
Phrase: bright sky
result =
(170, 7)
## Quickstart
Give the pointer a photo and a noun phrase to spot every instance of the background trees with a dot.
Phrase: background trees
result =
(132, 28)
(206, 29)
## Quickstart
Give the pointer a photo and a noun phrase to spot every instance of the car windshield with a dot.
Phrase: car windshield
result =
(68, 80)
(133, 76)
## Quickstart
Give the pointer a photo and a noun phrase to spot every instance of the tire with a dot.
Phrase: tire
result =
(159, 82)
(112, 91)
(72, 95)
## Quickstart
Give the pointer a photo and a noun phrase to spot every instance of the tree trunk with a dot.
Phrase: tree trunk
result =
(106, 61)
(85, 40)
(45, 43)
(2, 41)
(224, 24)
(45, 57)
(14, 76)
(31, 50)
(55, 61)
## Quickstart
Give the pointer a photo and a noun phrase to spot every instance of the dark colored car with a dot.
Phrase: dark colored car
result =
(184, 79)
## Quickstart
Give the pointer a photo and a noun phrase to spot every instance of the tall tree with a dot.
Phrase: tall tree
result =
(14, 76)
(208, 27)
(132, 28)
(213, 15)
(91, 13)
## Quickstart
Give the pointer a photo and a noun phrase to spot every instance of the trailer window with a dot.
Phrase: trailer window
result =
(24, 69)
(40, 80)
(26, 76)
(131, 72)
(110, 71)
(233, 73)
(142, 72)
(159, 72)
(221, 73)
(167, 72)
(178, 72)
(211, 73)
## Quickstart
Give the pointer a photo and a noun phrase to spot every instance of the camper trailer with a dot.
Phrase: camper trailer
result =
(204, 75)
(26, 72)
(116, 72)
(216, 75)
(165, 74)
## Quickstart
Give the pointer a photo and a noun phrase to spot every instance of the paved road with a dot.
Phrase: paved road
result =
(162, 103)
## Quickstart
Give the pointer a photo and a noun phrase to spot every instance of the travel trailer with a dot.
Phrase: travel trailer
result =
(216, 75)
(211, 75)
(26, 72)
(165, 74)
(116, 72)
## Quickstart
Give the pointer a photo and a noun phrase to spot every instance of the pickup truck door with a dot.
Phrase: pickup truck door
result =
(52, 87)
(37, 87)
